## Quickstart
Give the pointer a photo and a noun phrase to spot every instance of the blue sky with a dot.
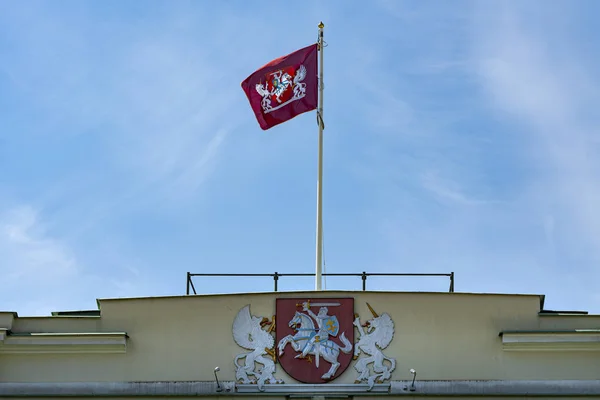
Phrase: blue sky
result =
(459, 137)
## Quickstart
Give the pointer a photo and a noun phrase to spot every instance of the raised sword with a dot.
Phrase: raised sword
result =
(309, 304)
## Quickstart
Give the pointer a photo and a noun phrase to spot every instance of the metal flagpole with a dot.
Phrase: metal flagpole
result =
(319, 261)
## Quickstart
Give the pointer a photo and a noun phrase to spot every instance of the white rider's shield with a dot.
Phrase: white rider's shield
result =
(332, 325)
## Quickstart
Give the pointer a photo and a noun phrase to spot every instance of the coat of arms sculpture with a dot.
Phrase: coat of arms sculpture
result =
(314, 343)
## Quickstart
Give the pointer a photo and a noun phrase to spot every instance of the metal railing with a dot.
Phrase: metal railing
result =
(277, 275)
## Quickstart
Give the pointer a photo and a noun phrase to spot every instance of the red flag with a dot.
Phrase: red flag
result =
(284, 88)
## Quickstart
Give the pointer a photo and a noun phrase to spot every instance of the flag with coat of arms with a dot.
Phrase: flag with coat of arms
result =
(284, 88)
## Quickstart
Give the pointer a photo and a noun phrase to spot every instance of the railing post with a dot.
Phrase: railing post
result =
(364, 279)
(451, 282)
(275, 279)
(187, 286)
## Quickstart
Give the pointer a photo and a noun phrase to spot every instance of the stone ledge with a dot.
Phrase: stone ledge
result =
(576, 340)
(516, 388)
(43, 343)
(112, 389)
(315, 389)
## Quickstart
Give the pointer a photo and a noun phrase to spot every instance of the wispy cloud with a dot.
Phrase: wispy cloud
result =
(530, 75)
(153, 106)
(43, 271)
(449, 190)
(154, 102)
(29, 253)
(33, 261)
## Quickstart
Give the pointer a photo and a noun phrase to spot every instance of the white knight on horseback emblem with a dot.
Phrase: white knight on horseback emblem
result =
(313, 337)
(281, 87)
(326, 326)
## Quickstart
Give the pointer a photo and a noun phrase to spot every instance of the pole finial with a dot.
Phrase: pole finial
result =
(321, 25)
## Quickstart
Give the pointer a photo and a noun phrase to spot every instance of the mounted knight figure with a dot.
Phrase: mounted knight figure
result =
(281, 81)
(327, 325)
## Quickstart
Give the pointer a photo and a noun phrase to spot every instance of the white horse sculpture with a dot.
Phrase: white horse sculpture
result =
(305, 328)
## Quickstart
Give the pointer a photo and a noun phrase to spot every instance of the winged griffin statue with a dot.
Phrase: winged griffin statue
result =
(378, 335)
(248, 333)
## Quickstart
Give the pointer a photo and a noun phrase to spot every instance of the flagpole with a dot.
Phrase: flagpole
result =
(319, 260)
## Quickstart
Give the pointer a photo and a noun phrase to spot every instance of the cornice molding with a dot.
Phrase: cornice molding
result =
(466, 388)
(6, 319)
(299, 389)
(576, 340)
(65, 343)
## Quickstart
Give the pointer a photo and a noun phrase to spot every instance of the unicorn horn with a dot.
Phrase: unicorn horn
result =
(372, 311)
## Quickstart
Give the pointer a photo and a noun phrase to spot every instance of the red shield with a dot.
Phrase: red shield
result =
(315, 337)
(280, 84)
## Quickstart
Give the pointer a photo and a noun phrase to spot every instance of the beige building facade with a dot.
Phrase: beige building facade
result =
(393, 344)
